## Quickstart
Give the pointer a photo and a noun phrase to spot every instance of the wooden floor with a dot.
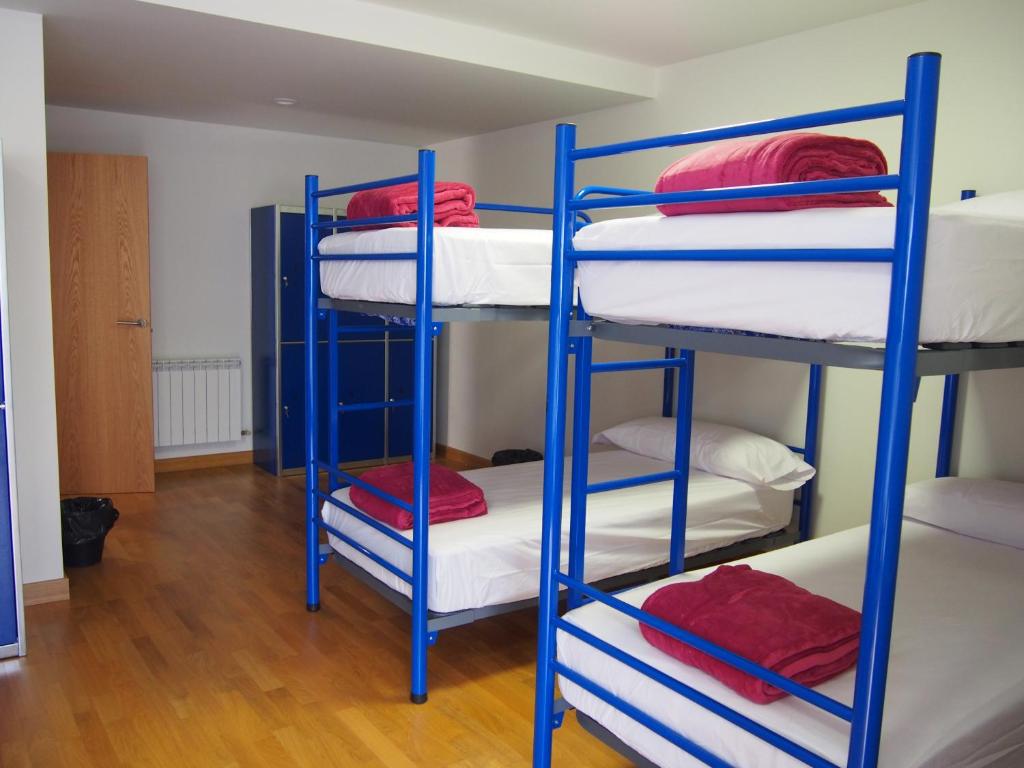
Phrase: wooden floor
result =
(189, 645)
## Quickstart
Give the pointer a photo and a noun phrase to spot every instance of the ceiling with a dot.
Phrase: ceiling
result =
(653, 32)
(400, 71)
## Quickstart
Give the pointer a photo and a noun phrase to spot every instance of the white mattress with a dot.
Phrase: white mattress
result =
(955, 696)
(495, 559)
(472, 265)
(974, 276)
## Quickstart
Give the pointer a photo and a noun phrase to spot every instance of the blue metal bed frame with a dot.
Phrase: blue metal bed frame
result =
(900, 361)
(428, 321)
(947, 435)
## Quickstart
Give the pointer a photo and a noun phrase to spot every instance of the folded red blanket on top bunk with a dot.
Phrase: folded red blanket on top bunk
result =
(452, 497)
(762, 617)
(453, 204)
(774, 160)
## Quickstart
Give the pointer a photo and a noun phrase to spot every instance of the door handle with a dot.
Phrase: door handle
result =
(140, 323)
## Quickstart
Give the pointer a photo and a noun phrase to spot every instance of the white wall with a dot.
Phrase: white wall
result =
(496, 373)
(203, 179)
(23, 130)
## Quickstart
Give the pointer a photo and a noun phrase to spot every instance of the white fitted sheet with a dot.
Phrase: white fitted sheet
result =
(495, 558)
(472, 265)
(955, 696)
(974, 275)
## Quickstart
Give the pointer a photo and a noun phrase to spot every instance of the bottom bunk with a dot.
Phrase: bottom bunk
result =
(495, 559)
(955, 695)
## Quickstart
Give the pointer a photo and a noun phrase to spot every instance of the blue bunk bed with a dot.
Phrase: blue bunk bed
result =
(901, 362)
(428, 320)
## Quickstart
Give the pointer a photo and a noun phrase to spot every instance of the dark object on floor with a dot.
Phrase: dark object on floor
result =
(85, 522)
(515, 456)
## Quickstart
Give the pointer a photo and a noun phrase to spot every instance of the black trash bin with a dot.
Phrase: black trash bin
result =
(515, 456)
(85, 522)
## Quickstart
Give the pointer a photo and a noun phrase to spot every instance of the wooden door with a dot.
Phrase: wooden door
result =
(99, 271)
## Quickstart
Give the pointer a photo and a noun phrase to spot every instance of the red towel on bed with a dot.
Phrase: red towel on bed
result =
(453, 204)
(452, 497)
(776, 159)
(762, 617)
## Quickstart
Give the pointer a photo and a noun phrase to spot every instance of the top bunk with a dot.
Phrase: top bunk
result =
(810, 285)
(379, 265)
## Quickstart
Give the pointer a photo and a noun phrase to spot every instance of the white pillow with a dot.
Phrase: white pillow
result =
(715, 448)
(992, 510)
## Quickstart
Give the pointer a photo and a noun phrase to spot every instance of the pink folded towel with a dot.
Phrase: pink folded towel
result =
(762, 617)
(453, 204)
(452, 497)
(774, 160)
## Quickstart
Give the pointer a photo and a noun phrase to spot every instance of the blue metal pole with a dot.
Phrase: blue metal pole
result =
(950, 400)
(740, 130)
(554, 445)
(681, 483)
(599, 190)
(375, 184)
(947, 427)
(810, 448)
(423, 397)
(668, 384)
(312, 281)
(751, 192)
(767, 255)
(917, 149)
(619, 366)
(580, 459)
(479, 206)
(374, 221)
(334, 416)
(632, 482)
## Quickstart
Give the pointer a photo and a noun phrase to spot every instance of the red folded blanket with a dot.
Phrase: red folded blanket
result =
(453, 204)
(774, 160)
(762, 617)
(452, 497)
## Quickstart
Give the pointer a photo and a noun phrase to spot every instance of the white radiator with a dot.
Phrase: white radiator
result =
(197, 401)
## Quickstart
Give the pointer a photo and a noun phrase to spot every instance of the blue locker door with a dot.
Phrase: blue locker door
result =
(262, 232)
(400, 386)
(293, 405)
(293, 262)
(8, 589)
(361, 380)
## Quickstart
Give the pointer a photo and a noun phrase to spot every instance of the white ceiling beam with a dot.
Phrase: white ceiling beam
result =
(394, 28)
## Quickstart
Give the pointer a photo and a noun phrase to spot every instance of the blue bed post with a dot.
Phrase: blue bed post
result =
(681, 482)
(810, 447)
(668, 384)
(580, 459)
(312, 281)
(917, 149)
(333, 404)
(423, 383)
(950, 398)
(947, 426)
(554, 442)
